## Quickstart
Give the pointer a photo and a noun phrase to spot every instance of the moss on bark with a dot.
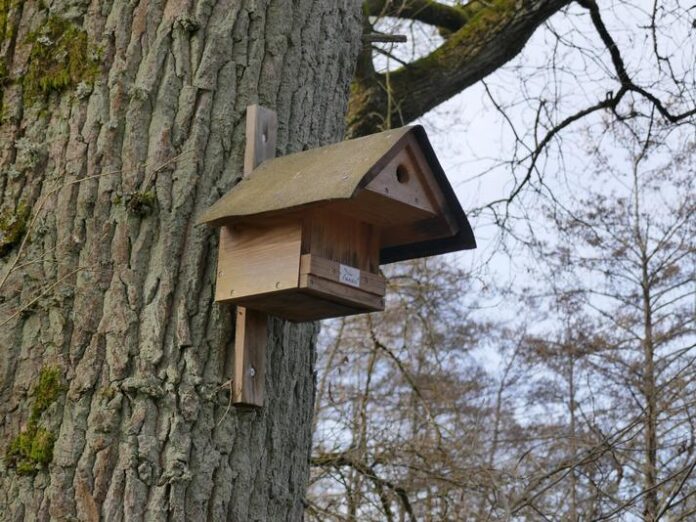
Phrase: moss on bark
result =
(7, 29)
(13, 226)
(60, 58)
(48, 389)
(32, 450)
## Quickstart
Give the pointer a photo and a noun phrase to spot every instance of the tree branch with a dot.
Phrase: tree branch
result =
(492, 34)
(343, 459)
(426, 11)
(620, 68)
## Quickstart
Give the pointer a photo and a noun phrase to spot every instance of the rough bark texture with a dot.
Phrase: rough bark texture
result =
(110, 343)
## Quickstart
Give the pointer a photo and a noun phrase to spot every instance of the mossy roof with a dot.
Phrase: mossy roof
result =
(332, 173)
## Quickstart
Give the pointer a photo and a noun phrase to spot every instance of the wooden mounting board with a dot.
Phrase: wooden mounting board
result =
(251, 332)
(251, 337)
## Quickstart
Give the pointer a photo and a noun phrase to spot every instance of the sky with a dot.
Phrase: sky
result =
(475, 142)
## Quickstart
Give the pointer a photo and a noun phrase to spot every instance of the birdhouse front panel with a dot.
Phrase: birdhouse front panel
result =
(301, 267)
(413, 170)
(342, 238)
(404, 183)
(258, 258)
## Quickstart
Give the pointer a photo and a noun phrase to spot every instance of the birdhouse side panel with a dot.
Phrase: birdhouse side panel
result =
(258, 259)
(344, 239)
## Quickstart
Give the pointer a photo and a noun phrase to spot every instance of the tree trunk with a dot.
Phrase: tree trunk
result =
(650, 392)
(121, 122)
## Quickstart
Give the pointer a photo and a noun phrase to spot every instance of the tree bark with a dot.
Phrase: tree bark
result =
(122, 121)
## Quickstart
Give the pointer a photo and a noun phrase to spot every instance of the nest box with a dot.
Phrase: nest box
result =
(303, 235)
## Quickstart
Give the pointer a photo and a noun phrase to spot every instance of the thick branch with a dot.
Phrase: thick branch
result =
(493, 34)
(426, 11)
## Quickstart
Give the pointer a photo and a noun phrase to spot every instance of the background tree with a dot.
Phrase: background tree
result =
(400, 404)
(583, 412)
(121, 122)
(622, 257)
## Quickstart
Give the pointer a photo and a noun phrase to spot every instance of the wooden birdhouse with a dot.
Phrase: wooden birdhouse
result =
(302, 236)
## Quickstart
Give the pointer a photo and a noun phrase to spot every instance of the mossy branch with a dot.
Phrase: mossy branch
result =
(443, 16)
(491, 33)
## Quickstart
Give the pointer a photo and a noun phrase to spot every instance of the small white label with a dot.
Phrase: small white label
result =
(349, 275)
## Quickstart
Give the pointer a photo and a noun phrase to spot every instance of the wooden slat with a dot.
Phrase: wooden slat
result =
(255, 259)
(330, 270)
(251, 337)
(301, 306)
(261, 136)
(341, 293)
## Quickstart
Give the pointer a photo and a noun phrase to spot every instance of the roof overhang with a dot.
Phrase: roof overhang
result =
(337, 173)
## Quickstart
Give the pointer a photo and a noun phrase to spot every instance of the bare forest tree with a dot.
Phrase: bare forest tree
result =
(398, 434)
(440, 411)
(622, 259)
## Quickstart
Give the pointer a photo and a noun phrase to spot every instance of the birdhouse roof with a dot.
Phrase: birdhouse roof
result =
(336, 173)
